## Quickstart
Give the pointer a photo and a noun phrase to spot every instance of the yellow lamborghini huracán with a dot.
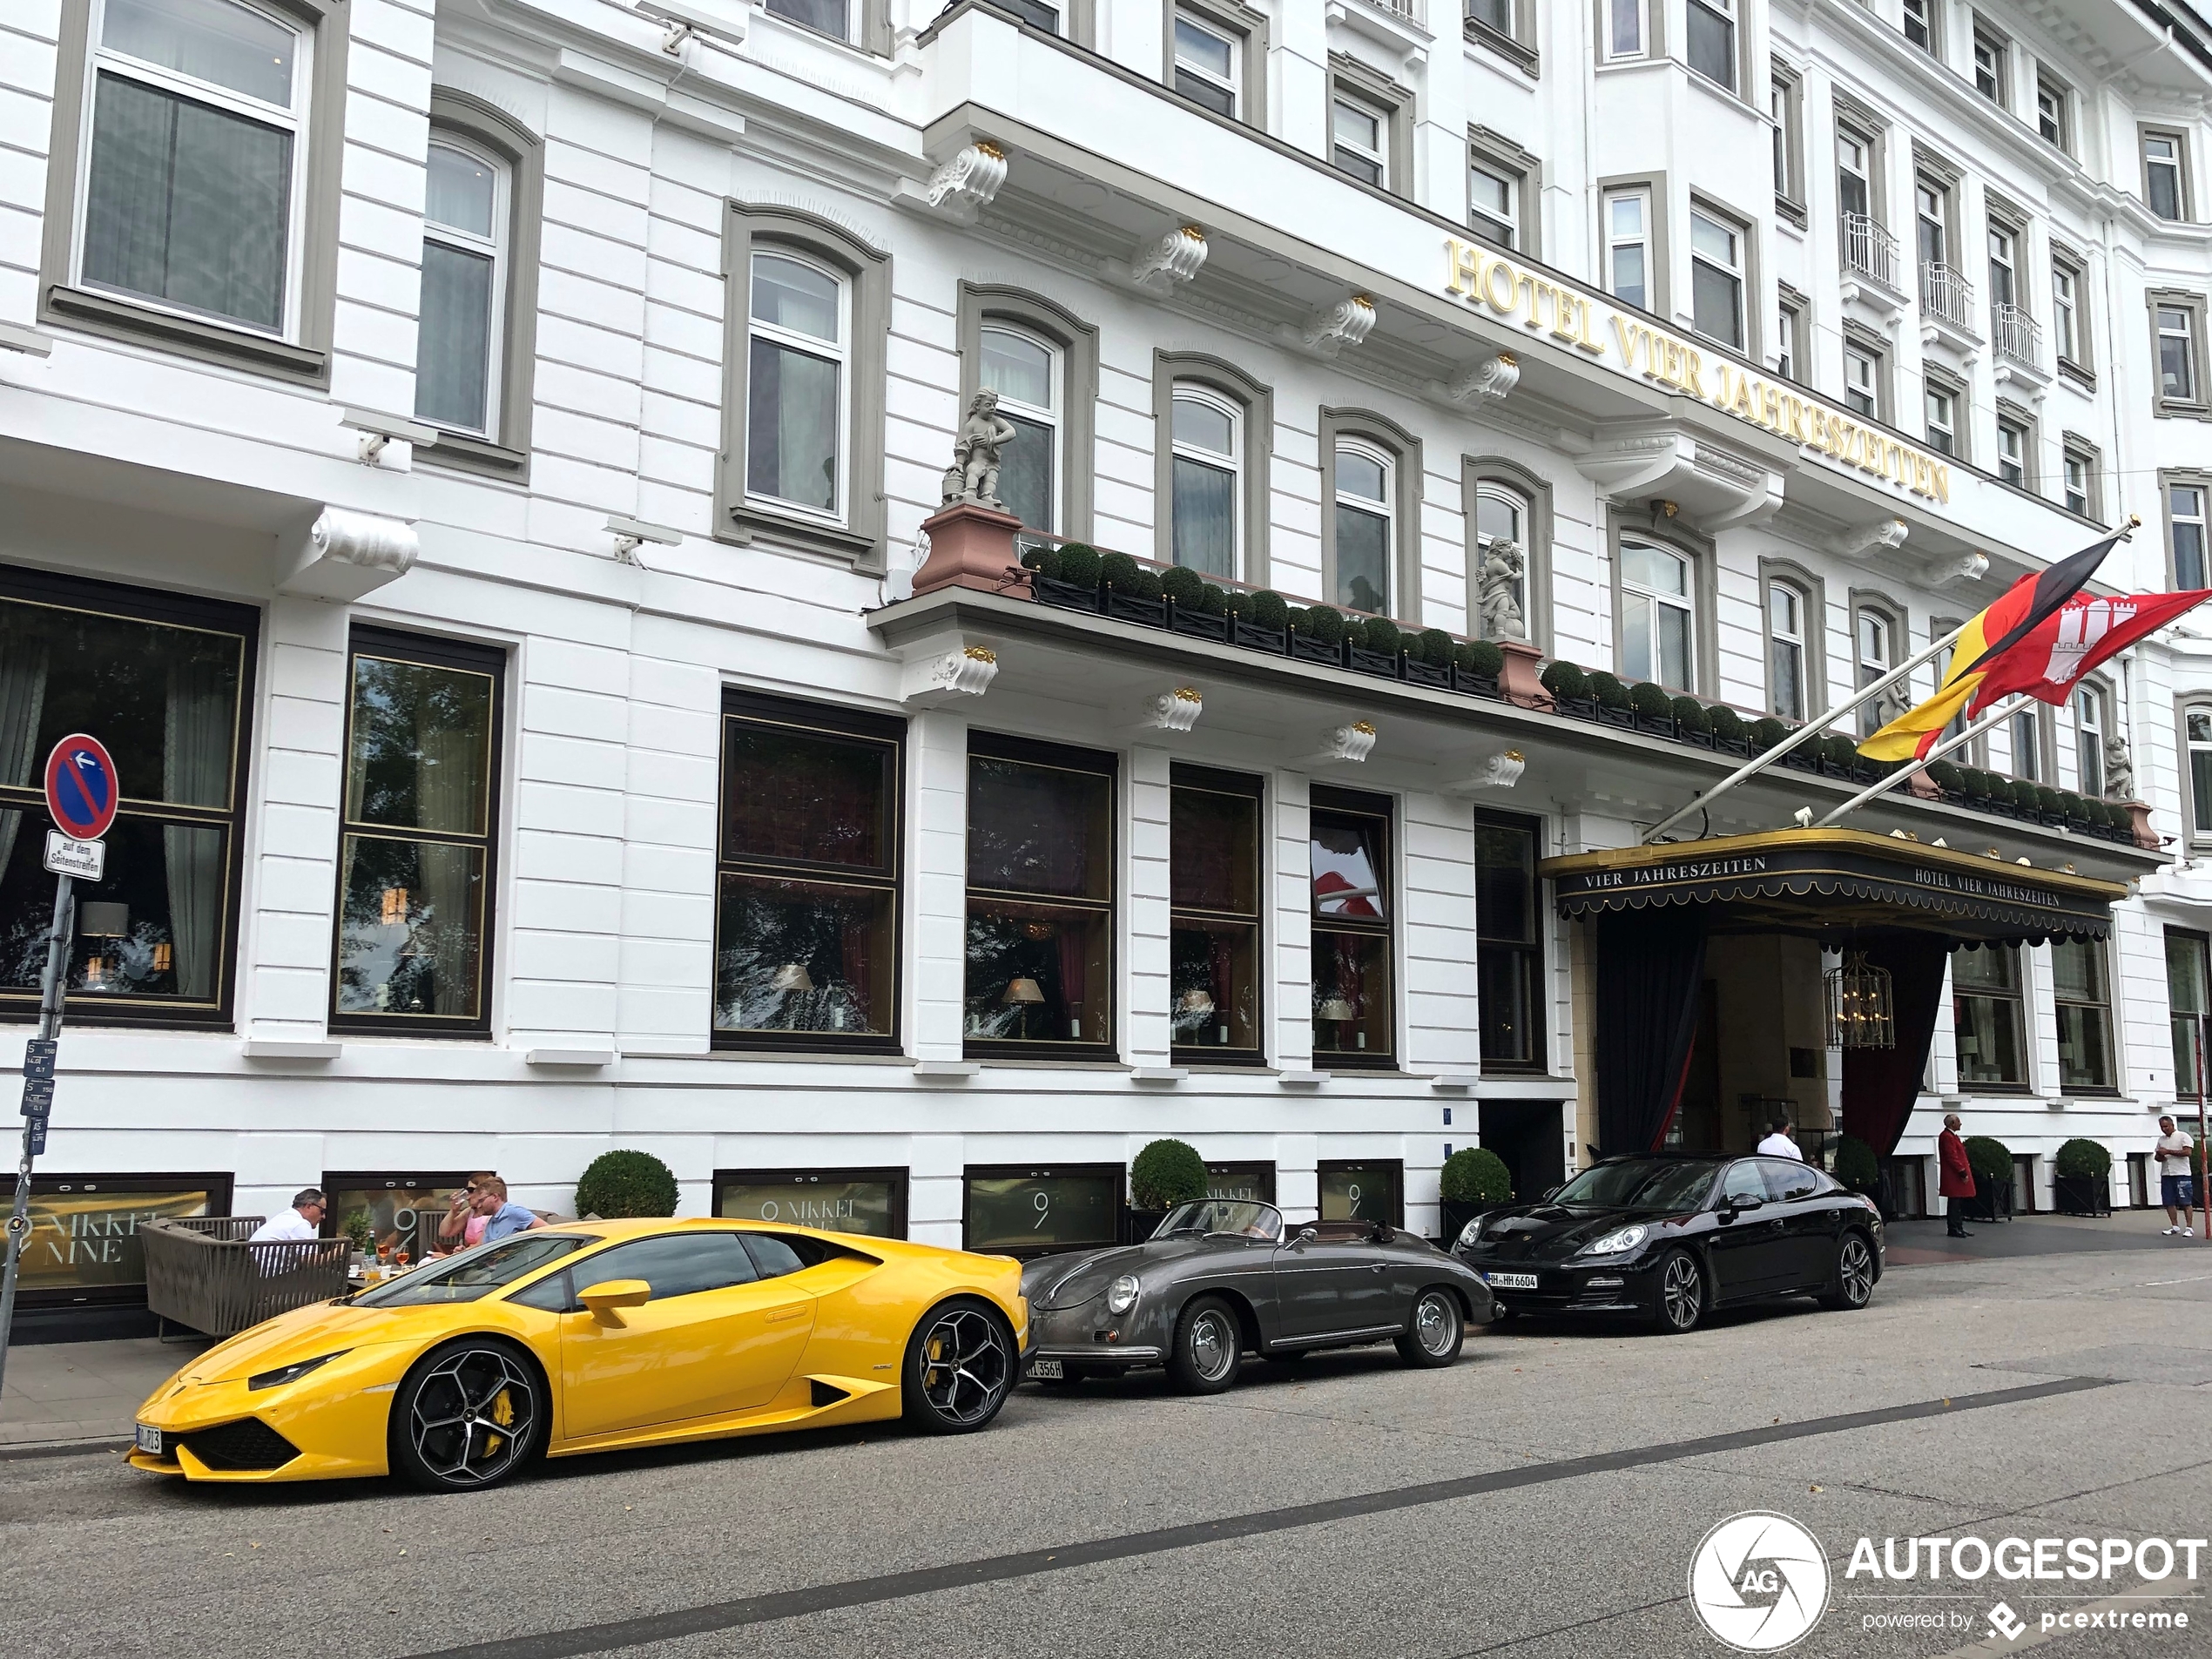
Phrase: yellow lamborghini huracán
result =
(595, 1336)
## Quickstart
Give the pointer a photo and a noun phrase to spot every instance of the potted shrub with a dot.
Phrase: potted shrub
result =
(1129, 592)
(360, 1229)
(1692, 723)
(1991, 1163)
(1317, 636)
(1654, 710)
(1195, 606)
(2083, 1186)
(626, 1184)
(1166, 1173)
(1067, 577)
(1838, 756)
(1948, 778)
(1612, 698)
(1731, 735)
(1477, 666)
(1474, 1179)
(1569, 686)
(1429, 659)
(1374, 647)
(1259, 621)
(1765, 732)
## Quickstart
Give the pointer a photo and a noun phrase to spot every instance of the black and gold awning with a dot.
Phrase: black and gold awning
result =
(1839, 881)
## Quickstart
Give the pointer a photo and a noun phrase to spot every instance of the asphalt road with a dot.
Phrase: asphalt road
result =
(1543, 1497)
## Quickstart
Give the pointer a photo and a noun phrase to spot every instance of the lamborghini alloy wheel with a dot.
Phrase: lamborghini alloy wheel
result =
(467, 1417)
(959, 1366)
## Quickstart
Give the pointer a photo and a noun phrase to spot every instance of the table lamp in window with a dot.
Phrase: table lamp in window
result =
(1023, 992)
(102, 920)
(1337, 1008)
(1193, 1007)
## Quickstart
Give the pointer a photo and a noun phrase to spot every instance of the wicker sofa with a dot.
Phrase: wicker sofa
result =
(202, 1273)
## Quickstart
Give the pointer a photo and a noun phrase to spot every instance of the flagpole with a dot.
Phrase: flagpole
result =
(1804, 734)
(1936, 753)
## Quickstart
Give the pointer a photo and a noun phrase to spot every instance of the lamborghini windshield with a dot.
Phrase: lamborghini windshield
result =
(473, 1274)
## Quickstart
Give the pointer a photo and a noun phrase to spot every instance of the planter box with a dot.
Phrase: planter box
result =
(1695, 740)
(1306, 648)
(1739, 747)
(1625, 718)
(1428, 674)
(1130, 607)
(1199, 625)
(1453, 1217)
(1583, 708)
(1252, 636)
(2082, 1194)
(1656, 725)
(1799, 761)
(1069, 596)
(1487, 686)
(1830, 769)
(1137, 1224)
(1382, 665)
(1992, 1200)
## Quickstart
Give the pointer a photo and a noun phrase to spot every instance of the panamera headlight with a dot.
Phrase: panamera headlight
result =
(285, 1375)
(1617, 1244)
(1121, 1295)
(1469, 1233)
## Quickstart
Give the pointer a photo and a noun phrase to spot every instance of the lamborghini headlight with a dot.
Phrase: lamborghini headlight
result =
(1121, 1295)
(1617, 1244)
(285, 1375)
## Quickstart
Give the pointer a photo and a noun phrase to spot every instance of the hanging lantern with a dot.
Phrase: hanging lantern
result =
(1860, 1014)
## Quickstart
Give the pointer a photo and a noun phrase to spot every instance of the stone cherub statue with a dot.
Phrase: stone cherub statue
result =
(2120, 771)
(974, 475)
(1498, 583)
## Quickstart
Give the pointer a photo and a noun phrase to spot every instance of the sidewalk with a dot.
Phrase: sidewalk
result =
(1925, 1244)
(62, 1391)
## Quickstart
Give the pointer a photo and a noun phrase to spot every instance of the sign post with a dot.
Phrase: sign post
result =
(81, 798)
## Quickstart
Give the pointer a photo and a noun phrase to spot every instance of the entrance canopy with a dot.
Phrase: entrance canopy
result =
(1839, 882)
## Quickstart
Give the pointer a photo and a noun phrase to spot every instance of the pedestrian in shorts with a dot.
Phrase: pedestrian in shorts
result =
(2177, 1187)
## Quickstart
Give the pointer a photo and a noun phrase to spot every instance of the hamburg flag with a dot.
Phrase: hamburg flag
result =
(2047, 661)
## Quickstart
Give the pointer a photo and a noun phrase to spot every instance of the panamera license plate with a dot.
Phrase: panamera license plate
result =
(1510, 1281)
(1046, 1370)
(149, 1440)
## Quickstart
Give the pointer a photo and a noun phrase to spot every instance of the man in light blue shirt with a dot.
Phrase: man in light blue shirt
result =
(502, 1218)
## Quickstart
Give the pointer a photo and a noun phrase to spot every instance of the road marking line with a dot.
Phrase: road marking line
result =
(893, 1587)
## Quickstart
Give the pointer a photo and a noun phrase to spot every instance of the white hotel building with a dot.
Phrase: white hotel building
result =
(469, 464)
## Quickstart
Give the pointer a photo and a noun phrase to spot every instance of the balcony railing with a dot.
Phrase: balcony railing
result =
(2020, 337)
(1869, 250)
(1948, 297)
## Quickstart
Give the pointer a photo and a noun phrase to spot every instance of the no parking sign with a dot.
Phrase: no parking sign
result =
(81, 789)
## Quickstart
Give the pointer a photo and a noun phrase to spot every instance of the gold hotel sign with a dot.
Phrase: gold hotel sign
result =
(1479, 278)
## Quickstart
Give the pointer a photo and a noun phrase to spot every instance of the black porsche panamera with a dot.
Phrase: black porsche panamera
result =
(1668, 1237)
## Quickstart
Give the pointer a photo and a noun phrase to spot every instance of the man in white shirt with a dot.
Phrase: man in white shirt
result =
(2179, 1191)
(1778, 1143)
(302, 1221)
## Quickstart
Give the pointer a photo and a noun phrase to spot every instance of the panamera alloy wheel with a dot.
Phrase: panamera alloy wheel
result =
(960, 1366)
(468, 1416)
(1437, 1330)
(1854, 1275)
(1681, 1294)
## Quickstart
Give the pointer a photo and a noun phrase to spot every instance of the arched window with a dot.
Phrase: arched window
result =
(1366, 528)
(1024, 369)
(1502, 515)
(1786, 613)
(461, 338)
(2092, 725)
(1658, 615)
(1875, 645)
(799, 332)
(1206, 437)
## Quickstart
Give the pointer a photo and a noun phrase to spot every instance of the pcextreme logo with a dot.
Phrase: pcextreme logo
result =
(1759, 1582)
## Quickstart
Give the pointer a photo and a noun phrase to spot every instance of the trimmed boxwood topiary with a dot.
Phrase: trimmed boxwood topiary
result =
(1435, 647)
(1481, 657)
(1144, 585)
(2083, 1160)
(1382, 636)
(1165, 1174)
(1560, 678)
(1856, 1165)
(1947, 776)
(1269, 609)
(1044, 559)
(2047, 800)
(1837, 751)
(1608, 690)
(1213, 601)
(1651, 701)
(1323, 624)
(1725, 722)
(1990, 1159)
(626, 1184)
(1081, 564)
(1475, 1175)
(1766, 731)
(1184, 585)
(1115, 570)
(1976, 782)
(1238, 604)
(1689, 715)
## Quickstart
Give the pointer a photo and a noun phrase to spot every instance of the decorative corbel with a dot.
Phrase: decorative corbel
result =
(1887, 534)
(1175, 711)
(1967, 567)
(1347, 745)
(935, 677)
(1169, 263)
(346, 555)
(1329, 331)
(963, 186)
(1499, 770)
(1489, 379)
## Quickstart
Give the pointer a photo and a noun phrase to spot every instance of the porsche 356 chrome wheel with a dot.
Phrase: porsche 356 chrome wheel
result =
(1854, 1275)
(1681, 1294)
(1436, 1329)
(1208, 1343)
(960, 1366)
(466, 1418)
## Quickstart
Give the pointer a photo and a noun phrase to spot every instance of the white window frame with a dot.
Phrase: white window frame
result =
(1510, 27)
(100, 57)
(1870, 389)
(1642, 239)
(1876, 636)
(2202, 520)
(1920, 17)
(1054, 419)
(499, 250)
(1685, 601)
(1385, 510)
(1729, 14)
(2065, 317)
(2091, 727)
(2028, 722)
(853, 9)
(1859, 167)
(2073, 483)
(1232, 463)
(1794, 641)
(2004, 257)
(2173, 161)
(1506, 233)
(1624, 44)
(2186, 334)
(1924, 192)
(1786, 319)
(1739, 238)
(1234, 84)
(2053, 107)
(2192, 746)
(1943, 435)
(814, 346)
(1381, 155)
(1992, 57)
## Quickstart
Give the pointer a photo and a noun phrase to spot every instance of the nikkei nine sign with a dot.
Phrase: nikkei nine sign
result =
(1538, 303)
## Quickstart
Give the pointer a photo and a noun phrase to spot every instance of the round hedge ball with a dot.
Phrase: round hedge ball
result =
(626, 1184)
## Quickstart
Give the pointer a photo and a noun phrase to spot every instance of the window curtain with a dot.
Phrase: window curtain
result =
(1074, 952)
(1881, 1085)
(448, 769)
(1650, 968)
(22, 702)
(195, 766)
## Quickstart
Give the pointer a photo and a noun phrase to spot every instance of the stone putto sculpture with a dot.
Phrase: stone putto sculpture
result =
(1498, 583)
(2120, 771)
(974, 476)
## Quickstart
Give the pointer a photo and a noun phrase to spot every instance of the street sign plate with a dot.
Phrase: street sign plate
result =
(39, 1056)
(81, 788)
(86, 860)
(35, 1136)
(38, 1097)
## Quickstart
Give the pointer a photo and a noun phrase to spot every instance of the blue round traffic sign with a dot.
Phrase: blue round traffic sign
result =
(81, 787)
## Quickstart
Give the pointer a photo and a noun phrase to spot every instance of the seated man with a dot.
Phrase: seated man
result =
(301, 1223)
(502, 1218)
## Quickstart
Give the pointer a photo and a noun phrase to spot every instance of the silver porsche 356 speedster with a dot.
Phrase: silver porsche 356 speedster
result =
(1222, 1278)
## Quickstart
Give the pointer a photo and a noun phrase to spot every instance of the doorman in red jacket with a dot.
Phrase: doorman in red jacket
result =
(1955, 1176)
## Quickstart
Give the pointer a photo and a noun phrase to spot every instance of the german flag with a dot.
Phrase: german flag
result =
(2018, 613)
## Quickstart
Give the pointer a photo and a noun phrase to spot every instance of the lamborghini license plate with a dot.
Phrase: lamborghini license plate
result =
(149, 1440)
(1510, 1281)
(1046, 1370)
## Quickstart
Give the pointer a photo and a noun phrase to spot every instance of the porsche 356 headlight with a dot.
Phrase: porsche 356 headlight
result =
(1617, 1244)
(284, 1374)
(1121, 1295)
